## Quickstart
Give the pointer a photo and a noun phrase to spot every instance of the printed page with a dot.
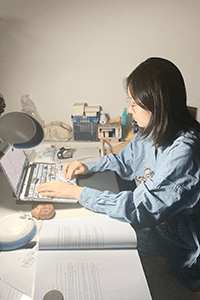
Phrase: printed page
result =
(87, 232)
(7, 292)
(94, 275)
(18, 269)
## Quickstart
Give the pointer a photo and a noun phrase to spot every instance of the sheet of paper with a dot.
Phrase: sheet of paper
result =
(91, 274)
(18, 269)
(96, 232)
(7, 292)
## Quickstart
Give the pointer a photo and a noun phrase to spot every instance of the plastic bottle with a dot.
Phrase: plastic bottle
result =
(124, 118)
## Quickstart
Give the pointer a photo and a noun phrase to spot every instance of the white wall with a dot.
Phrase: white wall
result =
(66, 51)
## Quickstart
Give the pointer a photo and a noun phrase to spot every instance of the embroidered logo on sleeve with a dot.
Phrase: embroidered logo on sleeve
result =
(148, 174)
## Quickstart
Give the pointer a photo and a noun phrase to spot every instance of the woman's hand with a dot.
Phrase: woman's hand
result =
(72, 169)
(59, 189)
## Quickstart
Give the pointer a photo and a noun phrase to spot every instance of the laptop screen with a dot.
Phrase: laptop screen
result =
(13, 164)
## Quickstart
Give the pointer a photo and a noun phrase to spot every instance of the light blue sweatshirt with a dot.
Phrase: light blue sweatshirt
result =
(168, 186)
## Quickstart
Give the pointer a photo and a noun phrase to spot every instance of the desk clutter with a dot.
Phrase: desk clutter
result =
(110, 132)
(90, 123)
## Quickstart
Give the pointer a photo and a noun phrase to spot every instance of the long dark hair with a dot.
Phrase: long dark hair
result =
(157, 85)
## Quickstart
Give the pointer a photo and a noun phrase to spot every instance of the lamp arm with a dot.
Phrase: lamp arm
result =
(4, 147)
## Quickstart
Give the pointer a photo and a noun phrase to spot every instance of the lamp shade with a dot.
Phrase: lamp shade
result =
(20, 131)
(35, 140)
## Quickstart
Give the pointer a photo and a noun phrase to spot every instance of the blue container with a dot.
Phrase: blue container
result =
(85, 128)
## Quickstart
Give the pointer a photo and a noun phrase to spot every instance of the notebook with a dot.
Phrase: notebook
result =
(24, 177)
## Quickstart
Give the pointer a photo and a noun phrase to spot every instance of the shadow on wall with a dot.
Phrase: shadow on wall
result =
(15, 42)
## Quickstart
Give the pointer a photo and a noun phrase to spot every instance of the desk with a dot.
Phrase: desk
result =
(22, 277)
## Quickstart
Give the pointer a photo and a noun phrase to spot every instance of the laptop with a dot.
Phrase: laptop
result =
(24, 177)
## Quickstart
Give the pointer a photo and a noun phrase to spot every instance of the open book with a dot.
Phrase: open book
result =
(91, 257)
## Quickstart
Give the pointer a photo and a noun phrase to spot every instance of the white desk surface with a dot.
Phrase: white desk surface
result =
(10, 261)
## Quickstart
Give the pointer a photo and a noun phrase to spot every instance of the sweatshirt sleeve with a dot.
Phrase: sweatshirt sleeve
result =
(123, 164)
(174, 188)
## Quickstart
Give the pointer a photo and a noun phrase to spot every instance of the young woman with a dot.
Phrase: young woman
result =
(163, 158)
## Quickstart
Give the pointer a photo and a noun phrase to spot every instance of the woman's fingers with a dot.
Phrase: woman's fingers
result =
(74, 168)
(59, 189)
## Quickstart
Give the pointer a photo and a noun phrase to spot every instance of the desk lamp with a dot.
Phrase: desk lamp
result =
(20, 131)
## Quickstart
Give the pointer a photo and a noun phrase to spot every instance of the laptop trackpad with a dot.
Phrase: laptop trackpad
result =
(102, 181)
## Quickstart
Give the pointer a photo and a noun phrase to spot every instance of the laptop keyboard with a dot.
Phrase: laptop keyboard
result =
(40, 173)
